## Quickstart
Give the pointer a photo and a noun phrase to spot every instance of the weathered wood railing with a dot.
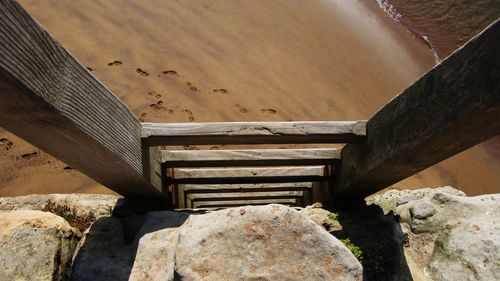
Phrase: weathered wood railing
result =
(53, 102)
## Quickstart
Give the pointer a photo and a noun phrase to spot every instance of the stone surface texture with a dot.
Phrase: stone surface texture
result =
(272, 242)
(449, 236)
(100, 205)
(35, 245)
(428, 234)
(322, 217)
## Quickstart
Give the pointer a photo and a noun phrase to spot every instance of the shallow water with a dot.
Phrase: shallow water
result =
(443, 25)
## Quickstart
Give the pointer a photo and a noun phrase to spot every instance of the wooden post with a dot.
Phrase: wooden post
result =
(452, 107)
(53, 102)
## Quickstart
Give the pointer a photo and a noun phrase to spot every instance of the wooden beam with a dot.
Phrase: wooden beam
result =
(216, 207)
(253, 132)
(248, 180)
(257, 187)
(241, 195)
(236, 203)
(452, 107)
(50, 100)
(184, 190)
(248, 175)
(204, 197)
(183, 173)
(250, 157)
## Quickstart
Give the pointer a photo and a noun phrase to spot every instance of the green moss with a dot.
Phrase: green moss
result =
(333, 216)
(355, 250)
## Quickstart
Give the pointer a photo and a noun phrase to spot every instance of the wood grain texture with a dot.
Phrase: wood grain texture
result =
(194, 188)
(181, 173)
(250, 157)
(184, 190)
(221, 196)
(253, 132)
(152, 167)
(236, 203)
(248, 175)
(205, 197)
(53, 102)
(454, 106)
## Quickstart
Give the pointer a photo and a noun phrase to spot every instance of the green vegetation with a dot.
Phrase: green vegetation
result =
(355, 250)
(333, 216)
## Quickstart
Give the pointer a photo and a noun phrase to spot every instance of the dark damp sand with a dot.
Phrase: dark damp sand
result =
(173, 61)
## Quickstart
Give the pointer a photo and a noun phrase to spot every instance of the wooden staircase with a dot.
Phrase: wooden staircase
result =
(227, 178)
(52, 101)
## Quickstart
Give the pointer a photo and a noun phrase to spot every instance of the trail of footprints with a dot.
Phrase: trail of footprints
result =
(159, 106)
(167, 74)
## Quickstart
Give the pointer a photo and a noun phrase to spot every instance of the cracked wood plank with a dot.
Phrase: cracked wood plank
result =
(53, 102)
(452, 107)
(248, 175)
(253, 132)
(250, 157)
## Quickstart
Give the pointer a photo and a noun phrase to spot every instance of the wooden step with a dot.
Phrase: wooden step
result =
(241, 175)
(184, 191)
(250, 157)
(236, 203)
(253, 132)
(204, 197)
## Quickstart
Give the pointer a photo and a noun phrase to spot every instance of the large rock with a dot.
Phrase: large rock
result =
(80, 210)
(391, 199)
(326, 219)
(448, 236)
(99, 204)
(133, 248)
(271, 242)
(35, 245)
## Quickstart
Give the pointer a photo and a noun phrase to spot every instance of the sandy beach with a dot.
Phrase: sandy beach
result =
(184, 61)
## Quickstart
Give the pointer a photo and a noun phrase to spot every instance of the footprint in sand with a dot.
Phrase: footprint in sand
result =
(144, 114)
(154, 94)
(191, 87)
(115, 63)
(170, 111)
(268, 111)
(168, 73)
(6, 143)
(67, 168)
(28, 156)
(90, 69)
(241, 108)
(220, 91)
(142, 72)
(157, 106)
(189, 113)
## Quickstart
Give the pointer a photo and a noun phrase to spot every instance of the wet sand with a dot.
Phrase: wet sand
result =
(202, 61)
